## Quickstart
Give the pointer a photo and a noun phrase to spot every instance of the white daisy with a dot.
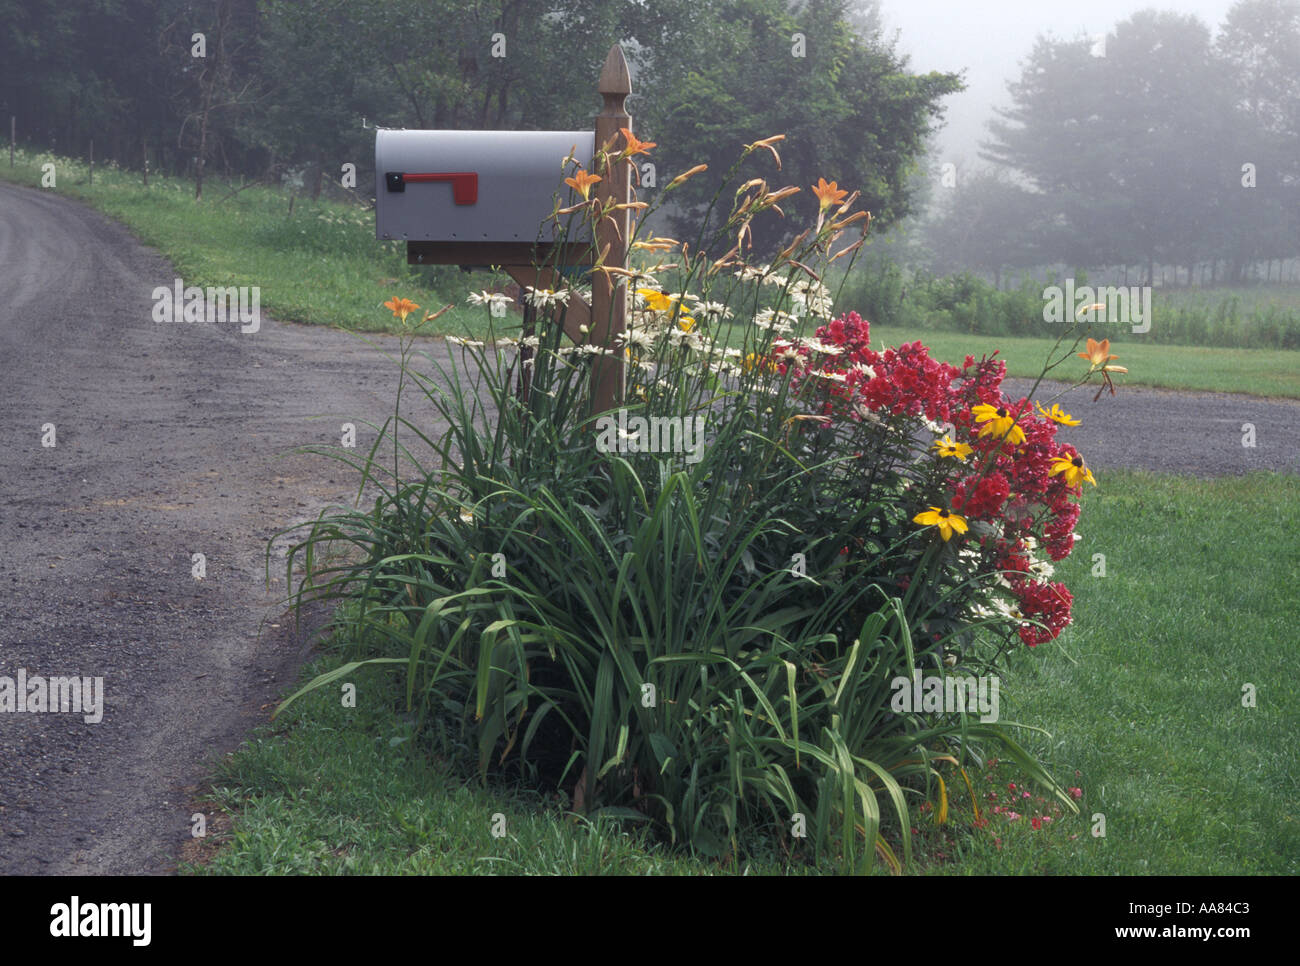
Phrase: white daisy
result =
(715, 310)
(542, 298)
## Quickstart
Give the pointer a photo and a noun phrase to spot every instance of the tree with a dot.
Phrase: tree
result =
(848, 107)
(988, 224)
(1123, 145)
(1260, 44)
(209, 47)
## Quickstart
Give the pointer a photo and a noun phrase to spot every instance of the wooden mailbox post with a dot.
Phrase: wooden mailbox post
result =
(488, 216)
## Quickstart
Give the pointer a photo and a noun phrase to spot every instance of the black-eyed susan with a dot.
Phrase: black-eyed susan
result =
(946, 447)
(656, 300)
(1073, 469)
(659, 302)
(947, 521)
(1058, 415)
(998, 422)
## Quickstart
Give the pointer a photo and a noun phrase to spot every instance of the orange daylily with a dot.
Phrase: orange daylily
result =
(828, 194)
(582, 182)
(656, 244)
(1098, 357)
(1098, 353)
(767, 143)
(687, 174)
(635, 145)
(401, 307)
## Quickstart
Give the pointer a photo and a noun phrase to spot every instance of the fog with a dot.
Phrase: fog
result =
(988, 41)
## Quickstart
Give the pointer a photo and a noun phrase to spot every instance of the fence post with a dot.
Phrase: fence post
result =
(13, 123)
(92, 160)
(609, 291)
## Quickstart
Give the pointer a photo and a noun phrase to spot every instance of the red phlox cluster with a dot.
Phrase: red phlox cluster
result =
(1004, 483)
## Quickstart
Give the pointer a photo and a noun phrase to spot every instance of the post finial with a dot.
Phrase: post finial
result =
(615, 79)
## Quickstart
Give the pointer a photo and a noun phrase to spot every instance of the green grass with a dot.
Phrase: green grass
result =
(334, 790)
(1145, 703)
(1261, 372)
(1142, 699)
(320, 264)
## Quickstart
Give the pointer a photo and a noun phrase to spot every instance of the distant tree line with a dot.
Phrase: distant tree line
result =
(280, 88)
(1157, 146)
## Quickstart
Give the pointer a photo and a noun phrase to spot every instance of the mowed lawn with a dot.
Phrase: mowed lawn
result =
(320, 264)
(1139, 705)
(1144, 695)
(1261, 372)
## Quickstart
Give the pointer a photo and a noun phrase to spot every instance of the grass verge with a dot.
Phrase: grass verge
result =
(330, 790)
(1145, 705)
(1259, 372)
(315, 261)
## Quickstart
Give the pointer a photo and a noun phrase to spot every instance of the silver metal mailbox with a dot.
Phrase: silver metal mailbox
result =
(474, 186)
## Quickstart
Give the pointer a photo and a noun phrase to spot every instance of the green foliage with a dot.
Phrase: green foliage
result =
(617, 576)
(287, 83)
(1147, 715)
(1248, 318)
(333, 790)
(849, 109)
(315, 261)
(1141, 712)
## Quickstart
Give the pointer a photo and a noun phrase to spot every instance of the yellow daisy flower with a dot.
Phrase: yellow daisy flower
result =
(946, 447)
(1057, 415)
(1073, 469)
(945, 520)
(998, 422)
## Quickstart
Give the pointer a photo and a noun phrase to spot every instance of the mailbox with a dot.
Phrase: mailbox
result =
(452, 195)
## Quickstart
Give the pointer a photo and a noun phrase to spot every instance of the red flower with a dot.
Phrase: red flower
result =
(975, 497)
(1047, 603)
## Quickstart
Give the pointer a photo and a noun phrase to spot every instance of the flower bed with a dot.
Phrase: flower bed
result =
(708, 637)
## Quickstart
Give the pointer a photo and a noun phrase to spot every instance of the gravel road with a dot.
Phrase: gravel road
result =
(171, 440)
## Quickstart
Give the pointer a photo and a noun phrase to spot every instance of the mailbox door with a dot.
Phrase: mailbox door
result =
(475, 186)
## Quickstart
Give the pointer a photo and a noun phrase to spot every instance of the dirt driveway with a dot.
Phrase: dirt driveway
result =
(170, 440)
